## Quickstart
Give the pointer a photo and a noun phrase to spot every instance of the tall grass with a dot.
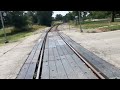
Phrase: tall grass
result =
(102, 24)
(12, 35)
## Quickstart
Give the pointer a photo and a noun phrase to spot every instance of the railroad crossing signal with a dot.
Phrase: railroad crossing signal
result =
(4, 14)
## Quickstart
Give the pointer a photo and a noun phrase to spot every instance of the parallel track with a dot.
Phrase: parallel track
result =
(38, 72)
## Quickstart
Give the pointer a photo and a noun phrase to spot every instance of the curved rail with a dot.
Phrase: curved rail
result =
(98, 74)
(40, 59)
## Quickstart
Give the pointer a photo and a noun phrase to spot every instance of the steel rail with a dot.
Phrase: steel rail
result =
(98, 73)
(37, 74)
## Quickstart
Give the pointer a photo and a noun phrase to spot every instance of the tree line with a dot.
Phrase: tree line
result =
(21, 19)
(88, 15)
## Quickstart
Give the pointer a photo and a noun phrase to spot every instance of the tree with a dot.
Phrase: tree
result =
(58, 17)
(104, 14)
(76, 13)
(21, 19)
(112, 16)
(32, 16)
(44, 17)
(99, 14)
(18, 19)
(8, 18)
(69, 16)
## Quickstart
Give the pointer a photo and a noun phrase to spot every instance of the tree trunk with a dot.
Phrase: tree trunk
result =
(113, 16)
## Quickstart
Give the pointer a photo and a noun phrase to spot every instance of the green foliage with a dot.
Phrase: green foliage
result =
(12, 35)
(102, 25)
(44, 17)
(69, 16)
(16, 19)
(35, 27)
(19, 20)
(32, 17)
(56, 23)
(99, 14)
(75, 13)
(112, 28)
(58, 17)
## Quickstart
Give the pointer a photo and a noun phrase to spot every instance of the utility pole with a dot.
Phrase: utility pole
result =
(69, 25)
(80, 22)
(3, 27)
(76, 17)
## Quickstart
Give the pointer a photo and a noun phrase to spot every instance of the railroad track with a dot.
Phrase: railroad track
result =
(38, 71)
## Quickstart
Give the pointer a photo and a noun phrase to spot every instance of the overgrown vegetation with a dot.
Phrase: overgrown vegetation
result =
(21, 23)
(102, 25)
(111, 28)
(14, 36)
(56, 22)
(99, 20)
(97, 24)
(44, 17)
(91, 15)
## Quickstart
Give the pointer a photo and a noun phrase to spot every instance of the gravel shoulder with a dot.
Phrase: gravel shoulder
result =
(13, 55)
(106, 45)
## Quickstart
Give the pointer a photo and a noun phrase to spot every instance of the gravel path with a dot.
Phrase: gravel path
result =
(13, 55)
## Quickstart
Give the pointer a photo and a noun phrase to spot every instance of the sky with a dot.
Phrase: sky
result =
(59, 12)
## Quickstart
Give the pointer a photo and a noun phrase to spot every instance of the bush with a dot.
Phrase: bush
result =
(35, 27)
(22, 29)
(93, 32)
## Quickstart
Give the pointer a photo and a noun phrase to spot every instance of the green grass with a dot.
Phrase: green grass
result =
(36, 27)
(12, 37)
(56, 22)
(94, 24)
(97, 24)
(103, 24)
(111, 28)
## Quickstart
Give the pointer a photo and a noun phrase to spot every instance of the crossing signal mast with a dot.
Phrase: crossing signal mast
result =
(4, 14)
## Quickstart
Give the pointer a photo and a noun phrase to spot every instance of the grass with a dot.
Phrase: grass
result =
(111, 28)
(56, 22)
(97, 24)
(12, 37)
(104, 25)
(36, 27)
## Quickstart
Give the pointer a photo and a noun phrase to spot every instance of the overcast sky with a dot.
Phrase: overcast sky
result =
(59, 12)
